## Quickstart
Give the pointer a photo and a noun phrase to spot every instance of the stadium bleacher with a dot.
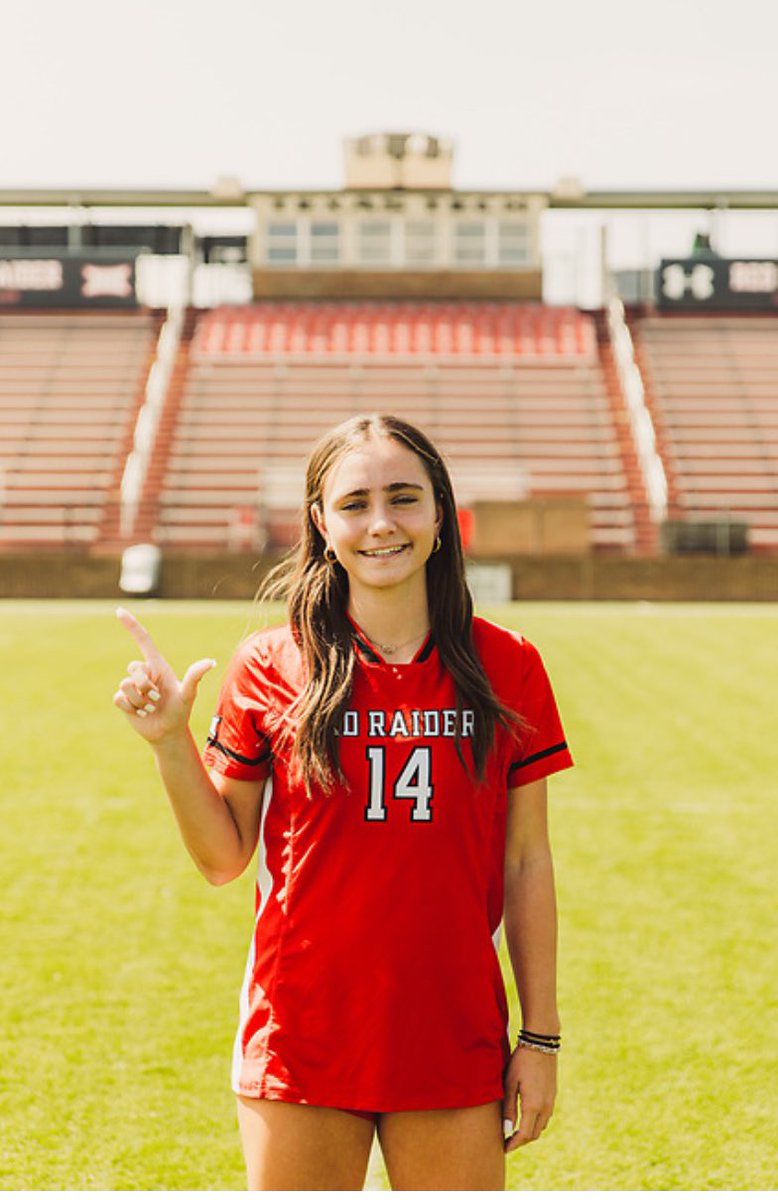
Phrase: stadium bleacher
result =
(70, 386)
(520, 397)
(513, 394)
(712, 382)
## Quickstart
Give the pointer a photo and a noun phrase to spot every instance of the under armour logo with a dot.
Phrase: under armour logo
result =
(114, 280)
(699, 281)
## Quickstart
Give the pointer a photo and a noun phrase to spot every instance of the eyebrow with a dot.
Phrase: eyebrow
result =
(390, 487)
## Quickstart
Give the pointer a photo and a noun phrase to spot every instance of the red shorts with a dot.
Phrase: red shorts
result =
(364, 1113)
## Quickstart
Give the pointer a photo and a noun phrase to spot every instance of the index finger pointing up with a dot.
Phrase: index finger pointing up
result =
(140, 634)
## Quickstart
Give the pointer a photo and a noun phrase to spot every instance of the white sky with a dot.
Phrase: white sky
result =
(173, 93)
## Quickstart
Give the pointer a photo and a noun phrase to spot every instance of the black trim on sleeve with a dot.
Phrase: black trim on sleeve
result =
(525, 762)
(241, 758)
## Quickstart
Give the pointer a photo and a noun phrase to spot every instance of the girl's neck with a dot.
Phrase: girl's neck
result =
(397, 631)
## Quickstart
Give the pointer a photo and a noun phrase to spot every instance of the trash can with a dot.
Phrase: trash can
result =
(490, 583)
(140, 569)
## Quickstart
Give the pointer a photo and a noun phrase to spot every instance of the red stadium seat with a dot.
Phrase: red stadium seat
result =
(512, 393)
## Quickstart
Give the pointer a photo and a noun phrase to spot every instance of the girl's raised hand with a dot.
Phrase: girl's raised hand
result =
(155, 701)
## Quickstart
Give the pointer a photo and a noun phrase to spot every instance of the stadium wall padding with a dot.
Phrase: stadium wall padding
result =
(309, 283)
(535, 577)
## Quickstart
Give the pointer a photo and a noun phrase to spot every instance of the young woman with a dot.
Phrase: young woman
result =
(388, 751)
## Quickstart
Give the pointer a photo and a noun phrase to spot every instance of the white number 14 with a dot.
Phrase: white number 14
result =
(413, 783)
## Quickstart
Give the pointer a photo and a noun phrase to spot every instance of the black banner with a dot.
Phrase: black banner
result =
(710, 283)
(51, 280)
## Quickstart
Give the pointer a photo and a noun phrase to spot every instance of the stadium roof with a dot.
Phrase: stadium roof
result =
(574, 198)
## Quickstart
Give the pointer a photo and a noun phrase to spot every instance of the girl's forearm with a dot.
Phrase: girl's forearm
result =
(204, 818)
(530, 919)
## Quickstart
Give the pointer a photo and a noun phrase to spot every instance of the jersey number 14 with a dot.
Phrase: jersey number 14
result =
(412, 783)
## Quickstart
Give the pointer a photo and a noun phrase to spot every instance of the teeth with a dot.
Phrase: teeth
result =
(383, 553)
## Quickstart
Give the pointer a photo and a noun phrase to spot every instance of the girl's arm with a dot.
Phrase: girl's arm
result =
(218, 817)
(531, 935)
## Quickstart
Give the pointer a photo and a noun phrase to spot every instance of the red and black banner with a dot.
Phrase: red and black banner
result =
(52, 280)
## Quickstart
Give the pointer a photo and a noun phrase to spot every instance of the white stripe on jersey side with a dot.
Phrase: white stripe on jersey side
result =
(265, 880)
(265, 885)
(496, 939)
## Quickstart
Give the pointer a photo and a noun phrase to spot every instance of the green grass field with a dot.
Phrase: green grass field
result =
(120, 967)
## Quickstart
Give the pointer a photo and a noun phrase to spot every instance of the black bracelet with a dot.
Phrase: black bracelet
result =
(544, 1043)
(540, 1039)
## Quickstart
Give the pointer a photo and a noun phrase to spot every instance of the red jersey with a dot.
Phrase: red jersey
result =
(373, 980)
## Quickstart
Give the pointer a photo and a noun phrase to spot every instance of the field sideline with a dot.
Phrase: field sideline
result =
(120, 967)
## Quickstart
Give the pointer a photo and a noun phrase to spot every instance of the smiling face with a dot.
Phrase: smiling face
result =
(380, 516)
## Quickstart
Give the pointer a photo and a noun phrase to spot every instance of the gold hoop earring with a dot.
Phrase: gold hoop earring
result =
(330, 554)
(437, 544)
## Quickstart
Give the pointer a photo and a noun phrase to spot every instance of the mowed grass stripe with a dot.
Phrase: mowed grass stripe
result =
(120, 967)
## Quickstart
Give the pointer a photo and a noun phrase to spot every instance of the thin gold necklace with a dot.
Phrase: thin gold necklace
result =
(400, 645)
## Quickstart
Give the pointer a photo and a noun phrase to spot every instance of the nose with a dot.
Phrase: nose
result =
(382, 521)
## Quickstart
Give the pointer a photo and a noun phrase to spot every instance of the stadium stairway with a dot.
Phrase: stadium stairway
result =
(712, 387)
(646, 534)
(149, 507)
(108, 534)
(633, 318)
(71, 384)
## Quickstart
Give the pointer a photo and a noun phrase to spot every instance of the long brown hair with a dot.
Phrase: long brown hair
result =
(317, 596)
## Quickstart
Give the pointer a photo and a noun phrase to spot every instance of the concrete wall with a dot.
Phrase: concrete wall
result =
(604, 577)
(535, 577)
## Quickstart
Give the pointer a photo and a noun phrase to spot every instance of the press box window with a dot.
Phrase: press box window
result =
(420, 241)
(282, 246)
(325, 241)
(374, 241)
(470, 242)
(513, 243)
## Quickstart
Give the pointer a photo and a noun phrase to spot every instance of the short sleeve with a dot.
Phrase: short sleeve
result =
(540, 748)
(237, 745)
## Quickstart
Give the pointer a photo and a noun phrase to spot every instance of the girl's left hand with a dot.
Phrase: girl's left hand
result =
(530, 1086)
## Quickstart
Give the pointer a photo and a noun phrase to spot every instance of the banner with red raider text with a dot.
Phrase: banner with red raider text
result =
(67, 281)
